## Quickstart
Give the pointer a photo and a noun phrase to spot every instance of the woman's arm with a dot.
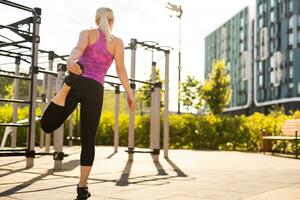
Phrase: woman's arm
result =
(122, 73)
(120, 67)
(77, 52)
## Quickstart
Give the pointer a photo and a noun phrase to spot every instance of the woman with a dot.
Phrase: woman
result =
(95, 52)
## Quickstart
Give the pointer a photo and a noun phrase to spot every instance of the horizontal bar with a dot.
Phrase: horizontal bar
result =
(112, 83)
(4, 44)
(43, 51)
(133, 80)
(14, 125)
(8, 55)
(48, 72)
(16, 53)
(151, 46)
(13, 149)
(14, 101)
(48, 154)
(39, 101)
(15, 76)
(139, 151)
(19, 101)
(13, 28)
(15, 5)
(7, 154)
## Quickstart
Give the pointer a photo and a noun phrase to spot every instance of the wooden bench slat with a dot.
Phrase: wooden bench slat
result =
(279, 138)
(292, 121)
(288, 133)
(291, 126)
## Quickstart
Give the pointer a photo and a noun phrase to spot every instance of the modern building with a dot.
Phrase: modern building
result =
(262, 56)
(233, 42)
(277, 65)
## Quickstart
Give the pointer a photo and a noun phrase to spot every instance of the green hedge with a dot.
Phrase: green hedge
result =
(186, 131)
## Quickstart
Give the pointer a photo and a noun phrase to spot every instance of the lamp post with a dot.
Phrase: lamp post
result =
(179, 12)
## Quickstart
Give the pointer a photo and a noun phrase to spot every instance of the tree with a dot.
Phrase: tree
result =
(216, 91)
(190, 93)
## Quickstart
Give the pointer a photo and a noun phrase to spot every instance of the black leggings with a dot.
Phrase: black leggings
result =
(90, 94)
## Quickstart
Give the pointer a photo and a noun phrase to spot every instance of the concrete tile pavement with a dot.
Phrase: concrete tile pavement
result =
(187, 175)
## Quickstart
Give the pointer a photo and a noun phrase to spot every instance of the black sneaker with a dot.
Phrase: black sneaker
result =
(82, 193)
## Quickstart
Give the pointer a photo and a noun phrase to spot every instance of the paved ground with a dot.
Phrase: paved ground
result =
(188, 175)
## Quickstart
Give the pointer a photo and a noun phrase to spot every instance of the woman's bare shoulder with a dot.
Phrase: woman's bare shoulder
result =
(118, 41)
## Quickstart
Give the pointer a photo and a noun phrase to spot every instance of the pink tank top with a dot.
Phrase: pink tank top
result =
(96, 59)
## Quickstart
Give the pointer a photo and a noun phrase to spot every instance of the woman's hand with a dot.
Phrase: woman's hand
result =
(131, 103)
(74, 67)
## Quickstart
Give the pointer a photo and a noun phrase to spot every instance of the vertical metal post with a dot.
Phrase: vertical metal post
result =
(156, 121)
(133, 46)
(166, 106)
(49, 95)
(34, 71)
(179, 58)
(179, 11)
(43, 105)
(71, 130)
(152, 108)
(15, 105)
(117, 110)
(296, 144)
(59, 133)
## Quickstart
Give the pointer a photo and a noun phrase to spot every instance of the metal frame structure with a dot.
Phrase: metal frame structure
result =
(155, 111)
(31, 37)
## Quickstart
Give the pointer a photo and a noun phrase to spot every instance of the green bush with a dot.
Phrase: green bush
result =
(6, 112)
(187, 131)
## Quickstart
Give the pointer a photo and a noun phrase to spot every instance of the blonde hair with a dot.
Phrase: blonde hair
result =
(104, 15)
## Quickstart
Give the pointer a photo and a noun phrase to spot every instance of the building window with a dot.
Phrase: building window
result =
(291, 6)
(299, 88)
(242, 34)
(272, 62)
(272, 46)
(260, 80)
(291, 55)
(261, 22)
(272, 16)
(272, 3)
(260, 67)
(228, 67)
(291, 71)
(272, 31)
(272, 77)
(298, 37)
(291, 38)
(260, 9)
(242, 21)
(298, 20)
(291, 22)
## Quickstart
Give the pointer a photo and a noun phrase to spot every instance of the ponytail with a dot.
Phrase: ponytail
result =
(103, 16)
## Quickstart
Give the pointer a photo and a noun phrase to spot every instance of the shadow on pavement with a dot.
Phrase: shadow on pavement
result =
(179, 172)
(124, 179)
(66, 167)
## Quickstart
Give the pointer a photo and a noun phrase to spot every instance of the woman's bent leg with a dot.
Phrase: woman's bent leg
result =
(55, 115)
(70, 81)
(60, 97)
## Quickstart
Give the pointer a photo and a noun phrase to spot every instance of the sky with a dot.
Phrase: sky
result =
(144, 20)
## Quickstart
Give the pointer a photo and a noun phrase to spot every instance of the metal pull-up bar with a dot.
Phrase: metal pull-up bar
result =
(15, 5)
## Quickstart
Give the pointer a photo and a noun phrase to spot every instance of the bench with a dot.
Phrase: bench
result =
(289, 131)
